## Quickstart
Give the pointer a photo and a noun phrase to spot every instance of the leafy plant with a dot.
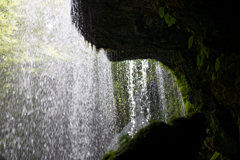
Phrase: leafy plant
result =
(213, 76)
(217, 64)
(215, 156)
(169, 19)
(190, 42)
(161, 12)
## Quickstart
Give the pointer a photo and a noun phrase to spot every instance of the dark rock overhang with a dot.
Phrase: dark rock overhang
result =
(127, 25)
(131, 29)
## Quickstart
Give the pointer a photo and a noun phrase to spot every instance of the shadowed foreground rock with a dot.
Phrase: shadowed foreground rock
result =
(182, 140)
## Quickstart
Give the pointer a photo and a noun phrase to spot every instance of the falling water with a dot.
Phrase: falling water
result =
(131, 94)
(171, 98)
(58, 100)
(161, 92)
(137, 84)
(152, 94)
(144, 89)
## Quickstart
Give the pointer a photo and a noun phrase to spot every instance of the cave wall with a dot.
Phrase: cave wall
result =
(128, 29)
(134, 30)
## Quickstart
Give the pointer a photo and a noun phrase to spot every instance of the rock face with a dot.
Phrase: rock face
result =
(132, 27)
(182, 140)
(133, 30)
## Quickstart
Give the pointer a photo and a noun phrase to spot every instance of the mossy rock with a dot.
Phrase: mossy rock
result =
(158, 139)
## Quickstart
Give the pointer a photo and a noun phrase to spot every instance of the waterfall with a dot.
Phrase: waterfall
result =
(145, 89)
(60, 99)
(152, 95)
(131, 94)
(57, 102)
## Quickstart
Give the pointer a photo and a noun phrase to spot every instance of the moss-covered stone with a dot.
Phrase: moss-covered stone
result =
(182, 140)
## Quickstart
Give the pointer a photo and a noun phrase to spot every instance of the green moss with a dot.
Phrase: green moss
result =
(215, 156)
(108, 155)
(124, 139)
(188, 106)
(184, 87)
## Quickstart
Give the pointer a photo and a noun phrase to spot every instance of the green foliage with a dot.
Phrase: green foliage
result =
(215, 156)
(198, 60)
(161, 12)
(169, 19)
(8, 27)
(213, 76)
(190, 42)
(172, 21)
(23, 49)
(188, 106)
(204, 52)
(8, 45)
(217, 64)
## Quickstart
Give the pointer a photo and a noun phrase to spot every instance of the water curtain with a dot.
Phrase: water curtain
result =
(60, 99)
(57, 96)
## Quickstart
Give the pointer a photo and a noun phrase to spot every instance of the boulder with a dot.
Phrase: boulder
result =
(181, 140)
(140, 122)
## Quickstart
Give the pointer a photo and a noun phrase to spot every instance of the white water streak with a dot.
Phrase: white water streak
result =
(60, 105)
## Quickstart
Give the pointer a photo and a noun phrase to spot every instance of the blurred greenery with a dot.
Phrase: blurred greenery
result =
(23, 51)
(150, 100)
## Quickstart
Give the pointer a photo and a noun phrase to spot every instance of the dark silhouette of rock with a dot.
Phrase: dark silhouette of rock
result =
(159, 140)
